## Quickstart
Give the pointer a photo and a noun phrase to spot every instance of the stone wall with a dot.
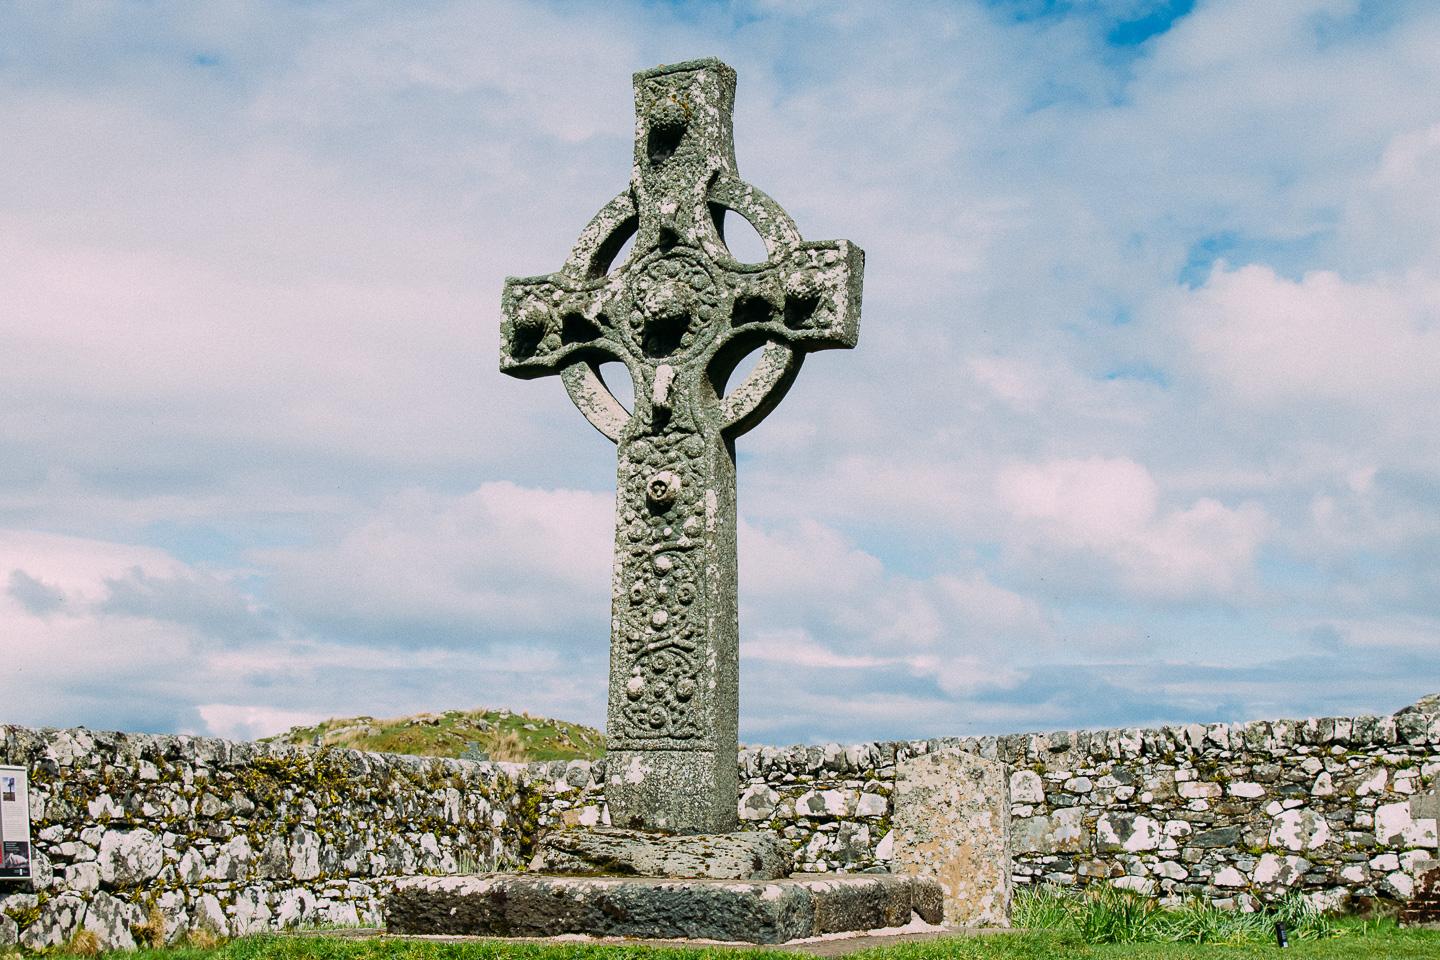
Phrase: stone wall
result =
(239, 837)
(1233, 812)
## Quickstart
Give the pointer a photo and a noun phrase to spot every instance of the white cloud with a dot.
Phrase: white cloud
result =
(1109, 509)
(503, 557)
(241, 722)
(1265, 339)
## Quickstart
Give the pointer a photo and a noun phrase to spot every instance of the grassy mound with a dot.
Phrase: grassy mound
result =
(475, 734)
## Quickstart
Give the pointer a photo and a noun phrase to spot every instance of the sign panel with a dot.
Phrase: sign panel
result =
(14, 823)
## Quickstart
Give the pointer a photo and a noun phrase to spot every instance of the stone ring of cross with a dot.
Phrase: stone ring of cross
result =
(681, 312)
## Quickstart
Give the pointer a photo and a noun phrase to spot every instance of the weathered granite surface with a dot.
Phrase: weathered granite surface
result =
(952, 823)
(743, 855)
(531, 905)
(680, 313)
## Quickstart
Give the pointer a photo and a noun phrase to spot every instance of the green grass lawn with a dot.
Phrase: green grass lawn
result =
(1349, 940)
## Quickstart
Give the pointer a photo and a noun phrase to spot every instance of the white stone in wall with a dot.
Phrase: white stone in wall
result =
(871, 805)
(1200, 790)
(59, 918)
(1373, 784)
(757, 802)
(83, 877)
(110, 920)
(304, 854)
(210, 915)
(1355, 873)
(232, 861)
(251, 912)
(1395, 827)
(1280, 871)
(1170, 870)
(130, 857)
(1299, 829)
(1123, 831)
(1229, 877)
(1058, 832)
(1026, 787)
(1401, 884)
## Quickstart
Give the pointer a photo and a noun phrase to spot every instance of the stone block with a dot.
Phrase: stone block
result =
(952, 823)
(529, 905)
(749, 855)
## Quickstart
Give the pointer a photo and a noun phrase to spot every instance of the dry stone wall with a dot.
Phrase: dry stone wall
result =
(237, 837)
(240, 837)
(1238, 813)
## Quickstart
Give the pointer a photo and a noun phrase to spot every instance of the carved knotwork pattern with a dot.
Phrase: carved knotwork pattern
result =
(674, 303)
(661, 625)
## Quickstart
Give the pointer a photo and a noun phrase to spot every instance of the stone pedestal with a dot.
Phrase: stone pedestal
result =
(749, 855)
(531, 905)
(952, 823)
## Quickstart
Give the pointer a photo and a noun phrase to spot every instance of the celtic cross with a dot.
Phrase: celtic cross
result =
(680, 313)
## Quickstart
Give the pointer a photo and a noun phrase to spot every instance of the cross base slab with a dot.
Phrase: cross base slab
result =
(747, 855)
(530, 905)
(673, 791)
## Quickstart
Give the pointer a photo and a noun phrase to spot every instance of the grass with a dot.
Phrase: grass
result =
(1346, 940)
(477, 734)
(1106, 914)
(1101, 923)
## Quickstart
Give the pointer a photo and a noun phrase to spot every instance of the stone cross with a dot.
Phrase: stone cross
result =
(680, 313)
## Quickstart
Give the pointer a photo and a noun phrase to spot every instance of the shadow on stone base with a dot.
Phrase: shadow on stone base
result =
(532, 905)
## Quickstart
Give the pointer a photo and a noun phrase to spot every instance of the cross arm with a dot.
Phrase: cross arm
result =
(809, 300)
(552, 322)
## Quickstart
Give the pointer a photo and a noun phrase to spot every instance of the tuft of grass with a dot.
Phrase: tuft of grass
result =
(82, 943)
(151, 933)
(475, 734)
(1105, 914)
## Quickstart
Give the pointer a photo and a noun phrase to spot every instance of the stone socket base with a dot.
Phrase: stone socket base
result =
(526, 905)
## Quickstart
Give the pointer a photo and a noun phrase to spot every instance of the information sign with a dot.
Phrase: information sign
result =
(14, 824)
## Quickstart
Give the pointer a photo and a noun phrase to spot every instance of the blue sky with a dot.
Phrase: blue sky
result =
(1143, 425)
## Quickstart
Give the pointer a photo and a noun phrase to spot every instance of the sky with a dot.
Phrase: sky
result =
(1143, 425)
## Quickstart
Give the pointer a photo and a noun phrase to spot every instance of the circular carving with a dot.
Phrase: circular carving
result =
(662, 488)
(685, 689)
(668, 116)
(529, 331)
(635, 688)
(675, 301)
